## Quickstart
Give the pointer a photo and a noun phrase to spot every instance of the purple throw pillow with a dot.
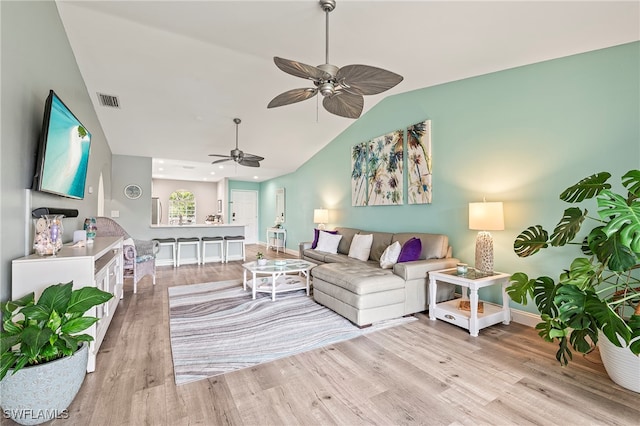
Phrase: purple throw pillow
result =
(316, 234)
(410, 250)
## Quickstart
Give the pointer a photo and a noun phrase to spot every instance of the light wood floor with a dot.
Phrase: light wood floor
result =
(422, 373)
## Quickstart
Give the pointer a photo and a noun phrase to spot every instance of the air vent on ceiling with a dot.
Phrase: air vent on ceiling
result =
(109, 100)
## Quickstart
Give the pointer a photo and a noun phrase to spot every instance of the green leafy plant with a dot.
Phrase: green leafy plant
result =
(39, 332)
(600, 291)
(259, 255)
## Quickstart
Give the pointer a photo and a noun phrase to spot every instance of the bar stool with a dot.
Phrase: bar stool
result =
(234, 239)
(189, 241)
(170, 242)
(215, 241)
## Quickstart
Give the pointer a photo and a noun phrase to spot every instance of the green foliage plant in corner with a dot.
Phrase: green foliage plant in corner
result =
(600, 290)
(38, 332)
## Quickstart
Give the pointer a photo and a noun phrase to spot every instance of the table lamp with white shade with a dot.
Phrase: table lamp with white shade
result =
(320, 216)
(485, 217)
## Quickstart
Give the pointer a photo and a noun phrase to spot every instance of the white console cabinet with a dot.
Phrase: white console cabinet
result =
(98, 265)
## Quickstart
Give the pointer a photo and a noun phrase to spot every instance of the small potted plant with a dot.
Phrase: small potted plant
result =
(599, 292)
(262, 261)
(43, 359)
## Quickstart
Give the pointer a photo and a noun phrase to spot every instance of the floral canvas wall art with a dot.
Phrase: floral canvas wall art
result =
(359, 175)
(419, 170)
(384, 170)
(377, 168)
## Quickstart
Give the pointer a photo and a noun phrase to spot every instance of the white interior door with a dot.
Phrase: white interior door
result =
(244, 211)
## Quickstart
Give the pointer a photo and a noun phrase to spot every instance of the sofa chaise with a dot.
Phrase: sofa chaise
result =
(364, 292)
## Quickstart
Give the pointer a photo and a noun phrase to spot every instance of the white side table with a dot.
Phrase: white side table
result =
(472, 320)
(278, 243)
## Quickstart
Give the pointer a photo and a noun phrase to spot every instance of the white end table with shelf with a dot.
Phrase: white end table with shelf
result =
(274, 240)
(472, 281)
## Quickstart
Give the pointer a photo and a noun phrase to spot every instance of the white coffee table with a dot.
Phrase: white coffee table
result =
(472, 320)
(277, 276)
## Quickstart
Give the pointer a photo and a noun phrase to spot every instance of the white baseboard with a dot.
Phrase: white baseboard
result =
(524, 317)
(286, 250)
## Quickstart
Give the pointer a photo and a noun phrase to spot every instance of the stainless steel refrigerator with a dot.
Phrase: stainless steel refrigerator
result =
(156, 211)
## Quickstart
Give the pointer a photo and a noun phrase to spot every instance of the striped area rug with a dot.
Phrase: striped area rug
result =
(217, 328)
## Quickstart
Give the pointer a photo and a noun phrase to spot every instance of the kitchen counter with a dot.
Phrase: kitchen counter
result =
(196, 230)
(193, 230)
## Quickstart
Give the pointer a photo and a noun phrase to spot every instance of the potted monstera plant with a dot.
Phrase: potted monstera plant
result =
(43, 358)
(599, 292)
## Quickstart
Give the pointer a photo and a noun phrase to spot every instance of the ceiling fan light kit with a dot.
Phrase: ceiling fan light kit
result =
(342, 88)
(237, 155)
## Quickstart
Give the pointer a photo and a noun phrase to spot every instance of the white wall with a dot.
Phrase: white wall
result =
(36, 57)
(206, 194)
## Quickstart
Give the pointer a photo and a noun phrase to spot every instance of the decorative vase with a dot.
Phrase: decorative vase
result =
(91, 227)
(48, 238)
(262, 262)
(43, 392)
(623, 367)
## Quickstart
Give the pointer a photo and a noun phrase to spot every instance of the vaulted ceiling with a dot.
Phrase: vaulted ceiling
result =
(183, 70)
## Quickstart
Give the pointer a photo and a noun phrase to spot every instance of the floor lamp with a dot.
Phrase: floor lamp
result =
(485, 217)
(320, 216)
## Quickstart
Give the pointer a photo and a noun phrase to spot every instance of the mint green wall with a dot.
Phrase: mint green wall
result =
(520, 136)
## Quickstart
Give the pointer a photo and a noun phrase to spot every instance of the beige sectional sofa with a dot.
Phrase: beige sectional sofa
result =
(363, 292)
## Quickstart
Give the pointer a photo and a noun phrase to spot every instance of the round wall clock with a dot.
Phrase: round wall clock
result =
(133, 191)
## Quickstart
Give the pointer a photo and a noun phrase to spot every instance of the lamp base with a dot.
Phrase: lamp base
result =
(321, 226)
(484, 252)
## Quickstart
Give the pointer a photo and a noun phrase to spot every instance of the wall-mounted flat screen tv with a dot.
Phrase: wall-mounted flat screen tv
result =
(63, 153)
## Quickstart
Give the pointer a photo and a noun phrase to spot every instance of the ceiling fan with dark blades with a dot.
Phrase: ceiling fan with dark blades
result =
(343, 88)
(240, 157)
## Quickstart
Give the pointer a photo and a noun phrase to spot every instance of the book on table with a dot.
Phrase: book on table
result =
(465, 305)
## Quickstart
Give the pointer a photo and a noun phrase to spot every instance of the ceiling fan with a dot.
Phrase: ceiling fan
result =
(342, 88)
(240, 157)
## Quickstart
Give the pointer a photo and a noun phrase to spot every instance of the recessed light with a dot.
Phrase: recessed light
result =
(255, 177)
(222, 167)
(213, 173)
(160, 169)
(161, 161)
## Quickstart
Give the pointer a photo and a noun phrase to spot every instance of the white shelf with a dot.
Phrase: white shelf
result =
(283, 283)
(448, 311)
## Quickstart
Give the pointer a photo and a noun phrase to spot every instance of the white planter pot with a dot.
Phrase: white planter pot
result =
(43, 392)
(623, 367)
(262, 262)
